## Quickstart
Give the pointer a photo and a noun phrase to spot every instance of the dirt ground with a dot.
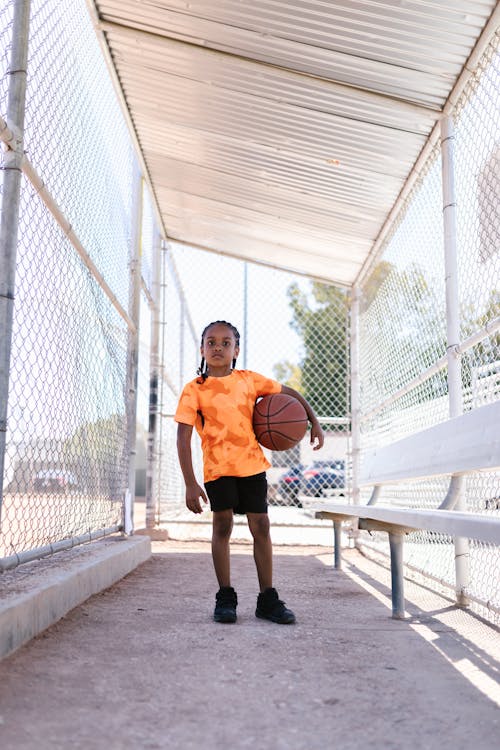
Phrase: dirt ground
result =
(143, 665)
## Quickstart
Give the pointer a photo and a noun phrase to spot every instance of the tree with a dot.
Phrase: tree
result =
(481, 365)
(402, 334)
(404, 316)
(290, 374)
(403, 331)
(321, 321)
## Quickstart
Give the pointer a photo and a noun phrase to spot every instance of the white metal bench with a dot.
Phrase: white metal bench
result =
(470, 442)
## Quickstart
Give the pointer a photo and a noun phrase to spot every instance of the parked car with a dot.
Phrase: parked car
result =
(289, 485)
(54, 480)
(492, 503)
(323, 476)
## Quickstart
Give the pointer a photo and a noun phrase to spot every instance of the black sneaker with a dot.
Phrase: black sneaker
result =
(225, 604)
(269, 607)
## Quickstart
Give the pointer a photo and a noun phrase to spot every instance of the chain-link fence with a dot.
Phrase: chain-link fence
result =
(292, 330)
(403, 336)
(90, 272)
(71, 379)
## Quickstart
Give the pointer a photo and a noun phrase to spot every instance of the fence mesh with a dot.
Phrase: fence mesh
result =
(402, 328)
(67, 459)
(68, 440)
(478, 227)
(292, 330)
(76, 135)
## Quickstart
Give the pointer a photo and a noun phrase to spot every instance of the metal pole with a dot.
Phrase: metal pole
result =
(10, 208)
(355, 403)
(153, 386)
(182, 336)
(337, 545)
(453, 332)
(397, 578)
(161, 473)
(133, 345)
(355, 406)
(245, 315)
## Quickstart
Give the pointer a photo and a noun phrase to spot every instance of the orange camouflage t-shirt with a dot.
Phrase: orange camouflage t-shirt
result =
(226, 404)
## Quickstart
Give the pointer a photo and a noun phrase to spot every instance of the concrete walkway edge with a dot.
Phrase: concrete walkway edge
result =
(66, 584)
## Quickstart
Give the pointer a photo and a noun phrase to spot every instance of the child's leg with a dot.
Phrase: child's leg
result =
(222, 526)
(262, 548)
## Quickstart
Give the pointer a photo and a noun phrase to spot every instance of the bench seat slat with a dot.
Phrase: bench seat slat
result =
(470, 442)
(485, 528)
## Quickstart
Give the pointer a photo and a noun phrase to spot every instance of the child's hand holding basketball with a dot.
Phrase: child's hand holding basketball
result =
(317, 439)
(317, 435)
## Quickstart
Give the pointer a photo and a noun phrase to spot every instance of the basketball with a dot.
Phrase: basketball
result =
(279, 421)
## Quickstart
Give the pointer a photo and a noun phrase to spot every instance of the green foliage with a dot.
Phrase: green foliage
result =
(404, 319)
(487, 352)
(476, 322)
(321, 321)
(377, 278)
(289, 374)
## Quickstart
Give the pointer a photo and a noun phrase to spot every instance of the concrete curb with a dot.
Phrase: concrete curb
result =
(29, 604)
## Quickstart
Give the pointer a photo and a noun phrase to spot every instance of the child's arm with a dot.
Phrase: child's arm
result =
(193, 489)
(317, 436)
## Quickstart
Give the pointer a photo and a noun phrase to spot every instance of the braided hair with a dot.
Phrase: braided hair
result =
(202, 370)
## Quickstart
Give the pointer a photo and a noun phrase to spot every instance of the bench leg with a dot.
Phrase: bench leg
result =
(461, 570)
(397, 580)
(337, 550)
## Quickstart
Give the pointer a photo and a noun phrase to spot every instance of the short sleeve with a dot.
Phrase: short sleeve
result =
(187, 408)
(264, 386)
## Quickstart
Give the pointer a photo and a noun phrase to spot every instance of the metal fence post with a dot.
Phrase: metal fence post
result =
(10, 208)
(453, 331)
(355, 405)
(133, 343)
(245, 315)
(153, 387)
(355, 402)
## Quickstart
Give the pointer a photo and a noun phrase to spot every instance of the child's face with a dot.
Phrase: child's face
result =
(219, 348)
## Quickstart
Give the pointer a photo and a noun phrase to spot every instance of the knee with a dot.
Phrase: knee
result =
(222, 526)
(259, 527)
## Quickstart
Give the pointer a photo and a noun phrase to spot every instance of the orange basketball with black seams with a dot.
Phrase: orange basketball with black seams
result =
(279, 421)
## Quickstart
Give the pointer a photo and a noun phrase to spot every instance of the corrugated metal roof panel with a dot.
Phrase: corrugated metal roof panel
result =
(284, 131)
(179, 60)
(412, 49)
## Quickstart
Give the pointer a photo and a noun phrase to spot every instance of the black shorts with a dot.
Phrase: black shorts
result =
(242, 494)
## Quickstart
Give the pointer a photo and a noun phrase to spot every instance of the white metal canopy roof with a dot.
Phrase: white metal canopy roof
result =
(283, 131)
